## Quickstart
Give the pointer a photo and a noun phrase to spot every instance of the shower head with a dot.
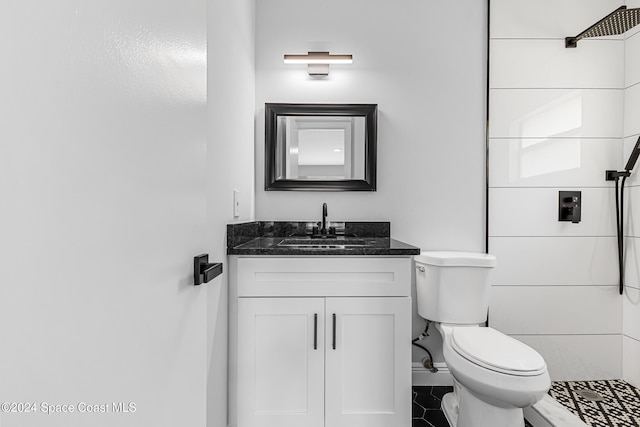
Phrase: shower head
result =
(633, 158)
(617, 22)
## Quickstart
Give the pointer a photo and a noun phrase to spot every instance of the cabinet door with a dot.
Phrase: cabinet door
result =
(280, 373)
(368, 371)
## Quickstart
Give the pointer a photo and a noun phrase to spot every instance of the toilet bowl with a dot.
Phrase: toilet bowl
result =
(495, 376)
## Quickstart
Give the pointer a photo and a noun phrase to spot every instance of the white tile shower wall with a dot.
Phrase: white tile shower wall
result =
(632, 253)
(534, 212)
(632, 223)
(553, 162)
(630, 358)
(522, 63)
(558, 310)
(632, 4)
(631, 309)
(631, 313)
(546, 18)
(546, 113)
(551, 261)
(632, 60)
(631, 109)
(631, 298)
(578, 357)
(548, 106)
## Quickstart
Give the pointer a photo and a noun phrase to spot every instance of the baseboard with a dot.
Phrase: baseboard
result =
(421, 376)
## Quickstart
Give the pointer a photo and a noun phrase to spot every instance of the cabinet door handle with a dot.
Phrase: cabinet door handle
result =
(315, 331)
(334, 331)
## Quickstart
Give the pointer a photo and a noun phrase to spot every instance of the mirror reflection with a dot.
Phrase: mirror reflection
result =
(321, 148)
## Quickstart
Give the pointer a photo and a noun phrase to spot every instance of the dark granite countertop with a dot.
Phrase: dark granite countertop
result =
(292, 239)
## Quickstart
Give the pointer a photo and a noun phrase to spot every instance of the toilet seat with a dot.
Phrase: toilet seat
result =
(495, 351)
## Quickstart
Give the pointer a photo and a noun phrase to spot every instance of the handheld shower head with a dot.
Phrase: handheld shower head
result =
(633, 158)
(615, 176)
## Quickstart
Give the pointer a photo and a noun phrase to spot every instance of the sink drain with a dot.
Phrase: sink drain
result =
(590, 395)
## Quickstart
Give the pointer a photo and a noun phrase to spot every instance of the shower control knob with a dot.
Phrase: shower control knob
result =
(570, 206)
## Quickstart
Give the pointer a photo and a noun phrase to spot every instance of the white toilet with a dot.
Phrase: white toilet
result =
(495, 376)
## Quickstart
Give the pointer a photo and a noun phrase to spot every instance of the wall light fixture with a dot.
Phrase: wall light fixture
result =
(318, 62)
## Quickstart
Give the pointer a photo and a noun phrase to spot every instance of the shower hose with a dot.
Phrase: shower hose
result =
(620, 229)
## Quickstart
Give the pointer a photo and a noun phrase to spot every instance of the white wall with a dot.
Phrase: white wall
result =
(631, 301)
(411, 61)
(102, 184)
(555, 123)
(230, 160)
(231, 92)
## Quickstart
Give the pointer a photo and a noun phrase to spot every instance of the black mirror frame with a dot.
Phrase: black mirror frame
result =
(368, 111)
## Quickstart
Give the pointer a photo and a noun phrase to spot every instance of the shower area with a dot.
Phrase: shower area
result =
(561, 113)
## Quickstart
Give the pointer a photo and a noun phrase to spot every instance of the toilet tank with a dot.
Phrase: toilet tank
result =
(453, 287)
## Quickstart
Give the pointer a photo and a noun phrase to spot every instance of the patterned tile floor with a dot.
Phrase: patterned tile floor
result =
(426, 407)
(619, 405)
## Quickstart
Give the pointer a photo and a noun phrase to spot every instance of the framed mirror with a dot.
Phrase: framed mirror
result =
(324, 147)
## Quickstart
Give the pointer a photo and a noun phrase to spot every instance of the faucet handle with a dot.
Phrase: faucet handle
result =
(337, 228)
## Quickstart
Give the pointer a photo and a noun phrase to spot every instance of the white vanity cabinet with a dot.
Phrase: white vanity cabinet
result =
(280, 375)
(320, 341)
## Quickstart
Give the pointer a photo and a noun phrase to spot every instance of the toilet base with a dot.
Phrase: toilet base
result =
(463, 409)
(450, 408)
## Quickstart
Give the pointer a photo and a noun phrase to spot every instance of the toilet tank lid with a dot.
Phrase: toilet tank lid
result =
(456, 259)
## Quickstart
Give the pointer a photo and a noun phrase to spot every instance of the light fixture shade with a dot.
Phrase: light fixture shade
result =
(318, 62)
